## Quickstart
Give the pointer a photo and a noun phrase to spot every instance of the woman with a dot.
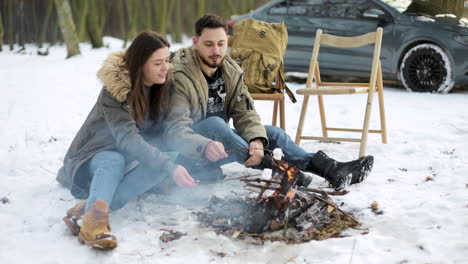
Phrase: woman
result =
(115, 155)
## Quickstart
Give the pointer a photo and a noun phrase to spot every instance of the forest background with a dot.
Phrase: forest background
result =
(48, 22)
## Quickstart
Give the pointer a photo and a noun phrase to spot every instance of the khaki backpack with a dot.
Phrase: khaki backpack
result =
(258, 47)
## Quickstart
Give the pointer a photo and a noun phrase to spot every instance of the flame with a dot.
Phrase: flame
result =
(290, 195)
(291, 172)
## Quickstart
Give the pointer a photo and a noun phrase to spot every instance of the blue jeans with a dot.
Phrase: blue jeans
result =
(217, 129)
(111, 184)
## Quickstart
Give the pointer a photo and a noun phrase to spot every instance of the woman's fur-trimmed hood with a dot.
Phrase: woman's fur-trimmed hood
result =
(115, 77)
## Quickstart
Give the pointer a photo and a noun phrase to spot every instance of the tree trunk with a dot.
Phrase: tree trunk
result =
(146, 15)
(200, 8)
(132, 18)
(55, 33)
(67, 26)
(458, 8)
(122, 20)
(34, 28)
(95, 23)
(11, 29)
(45, 25)
(162, 11)
(21, 24)
(227, 10)
(80, 8)
(1, 32)
(177, 17)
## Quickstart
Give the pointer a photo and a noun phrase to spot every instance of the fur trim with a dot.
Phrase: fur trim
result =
(115, 76)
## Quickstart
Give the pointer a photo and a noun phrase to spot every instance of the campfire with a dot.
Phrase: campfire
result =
(280, 208)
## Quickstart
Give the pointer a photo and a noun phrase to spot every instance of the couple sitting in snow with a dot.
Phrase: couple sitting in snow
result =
(149, 111)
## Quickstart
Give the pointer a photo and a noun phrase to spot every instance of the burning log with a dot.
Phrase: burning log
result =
(281, 203)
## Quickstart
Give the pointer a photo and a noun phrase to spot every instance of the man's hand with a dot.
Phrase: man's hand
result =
(183, 178)
(255, 152)
(214, 151)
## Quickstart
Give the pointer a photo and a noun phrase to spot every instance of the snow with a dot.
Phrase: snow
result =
(46, 99)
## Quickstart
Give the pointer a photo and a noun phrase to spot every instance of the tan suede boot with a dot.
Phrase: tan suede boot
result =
(95, 229)
(73, 216)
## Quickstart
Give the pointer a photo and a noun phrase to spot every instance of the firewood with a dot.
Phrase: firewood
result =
(344, 192)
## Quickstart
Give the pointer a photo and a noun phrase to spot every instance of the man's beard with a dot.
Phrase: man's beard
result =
(213, 65)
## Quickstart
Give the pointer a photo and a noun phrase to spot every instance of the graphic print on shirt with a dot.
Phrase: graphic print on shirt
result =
(216, 97)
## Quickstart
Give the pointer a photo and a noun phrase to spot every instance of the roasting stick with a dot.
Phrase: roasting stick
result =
(246, 148)
(240, 177)
(320, 191)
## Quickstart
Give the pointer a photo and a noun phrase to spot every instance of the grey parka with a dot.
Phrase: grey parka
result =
(110, 126)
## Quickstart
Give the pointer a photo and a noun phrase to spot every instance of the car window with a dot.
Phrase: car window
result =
(298, 8)
(322, 8)
(347, 9)
(279, 9)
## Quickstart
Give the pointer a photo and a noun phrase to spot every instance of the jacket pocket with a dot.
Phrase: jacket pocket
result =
(267, 70)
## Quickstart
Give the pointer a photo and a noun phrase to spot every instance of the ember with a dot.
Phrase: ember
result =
(282, 209)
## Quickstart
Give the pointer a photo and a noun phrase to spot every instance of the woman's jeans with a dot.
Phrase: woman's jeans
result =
(113, 185)
(217, 129)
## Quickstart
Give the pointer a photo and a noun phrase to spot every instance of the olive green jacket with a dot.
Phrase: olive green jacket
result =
(110, 126)
(189, 99)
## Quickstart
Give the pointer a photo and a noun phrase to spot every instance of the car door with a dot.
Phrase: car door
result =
(344, 18)
(353, 18)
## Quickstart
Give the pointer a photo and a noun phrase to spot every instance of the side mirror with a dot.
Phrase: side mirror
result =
(377, 14)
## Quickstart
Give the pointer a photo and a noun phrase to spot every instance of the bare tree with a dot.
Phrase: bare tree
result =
(45, 24)
(10, 24)
(200, 8)
(80, 13)
(67, 26)
(162, 12)
(96, 22)
(177, 30)
(1, 31)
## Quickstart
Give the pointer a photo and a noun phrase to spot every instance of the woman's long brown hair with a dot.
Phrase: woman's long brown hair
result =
(135, 57)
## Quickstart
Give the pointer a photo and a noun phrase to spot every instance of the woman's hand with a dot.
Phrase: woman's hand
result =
(183, 178)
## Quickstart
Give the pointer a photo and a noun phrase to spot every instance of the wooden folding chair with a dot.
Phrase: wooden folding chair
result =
(278, 106)
(375, 84)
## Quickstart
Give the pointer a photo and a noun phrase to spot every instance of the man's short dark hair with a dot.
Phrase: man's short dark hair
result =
(209, 21)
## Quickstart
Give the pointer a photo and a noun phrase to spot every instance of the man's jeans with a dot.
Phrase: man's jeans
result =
(217, 129)
(111, 183)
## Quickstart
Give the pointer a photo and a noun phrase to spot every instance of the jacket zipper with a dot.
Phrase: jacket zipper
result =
(234, 97)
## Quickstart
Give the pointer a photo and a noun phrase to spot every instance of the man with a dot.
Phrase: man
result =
(208, 92)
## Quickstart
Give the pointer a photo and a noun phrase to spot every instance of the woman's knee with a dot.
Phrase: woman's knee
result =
(109, 160)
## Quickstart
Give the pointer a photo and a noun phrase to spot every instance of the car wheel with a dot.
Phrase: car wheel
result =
(426, 68)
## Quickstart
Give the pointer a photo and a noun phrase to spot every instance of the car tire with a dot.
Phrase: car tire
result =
(426, 68)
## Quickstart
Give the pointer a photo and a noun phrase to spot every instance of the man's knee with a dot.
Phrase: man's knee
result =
(212, 124)
(273, 131)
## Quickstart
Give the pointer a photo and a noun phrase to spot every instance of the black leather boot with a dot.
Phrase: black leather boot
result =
(340, 174)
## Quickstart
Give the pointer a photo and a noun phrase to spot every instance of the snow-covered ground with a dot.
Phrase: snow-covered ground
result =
(45, 100)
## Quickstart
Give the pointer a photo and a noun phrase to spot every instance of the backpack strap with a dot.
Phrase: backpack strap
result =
(282, 85)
